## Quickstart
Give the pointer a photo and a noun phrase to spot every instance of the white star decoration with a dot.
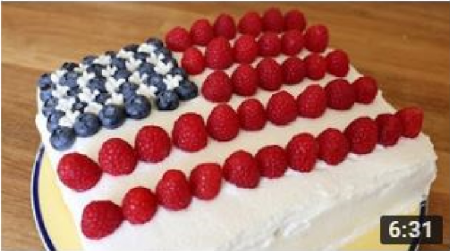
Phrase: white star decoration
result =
(103, 60)
(136, 78)
(172, 81)
(132, 64)
(148, 48)
(147, 91)
(116, 99)
(60, 92)
(112, 85)
(154, 59)
(87, 95)
(55, 76)
(65, 104)
(69, 118)
(163, 68)
(83, 80)
(125, 54)
(109, 71)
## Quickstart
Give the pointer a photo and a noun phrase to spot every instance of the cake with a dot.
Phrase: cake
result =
(229, 135)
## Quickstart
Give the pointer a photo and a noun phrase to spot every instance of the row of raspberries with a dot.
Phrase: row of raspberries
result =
(270, 75)
(190, 132)
(174, 191)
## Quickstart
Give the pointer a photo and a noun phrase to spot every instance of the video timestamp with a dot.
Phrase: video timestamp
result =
(396, 229)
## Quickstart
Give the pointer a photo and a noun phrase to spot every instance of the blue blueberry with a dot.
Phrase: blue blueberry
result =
(62, 138)
(137, 107)
(131, 47)
(112, 116)
(45, 94)
(146, 68)
(53, 120)
(86, 124)
(122, 74)
(73, 92)
(178, 71)
(167, 100)
(69, 66)
(119, 63)
(79, 106)
(156, 80)
(102, 97)
(97, 83)
(95, 68)
(128, 90)
(141, 55)
(155, 42)
(49, 106)
(69, 79)
(88, 60)
(186, 90)
(44, 81)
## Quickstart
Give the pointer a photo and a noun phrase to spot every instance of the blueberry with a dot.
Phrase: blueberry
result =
(178, 71)
(53, 120)
(95, 68)
(146, 68)
(45, 94)
(97, 83)
(88, 60)
(62, 138)
(137, 107)
(141, 55)
(131, 47)
(112, 116)
(164, 51)
(167, 100)
(44, 81)
(69, 66)
(86, 124)
(49, 106)
(156, 80)
(125, 74)
(72, 92)
(119, 63)
(186, 90)
(79, 106)
(102, 97)
(69, 79)
(155, 42)
(128, 90)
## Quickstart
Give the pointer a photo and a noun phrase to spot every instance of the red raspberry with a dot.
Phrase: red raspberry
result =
(294, 19)
(272, 161)
(117, 157)
(312, 102)
(316, 38)
(245, 80)
(250, 24)
(292, 42)
(389, 129)
(201, 32)
(78, 172)
(152, 144)
(189, 132)
(340, 94)
(270, 74)
(362, 135)
(242, 170)
(223, 123)
(338, 63)
(193, 61)
(100, 218)
(252, 116)
(225, 26)
(217, 87)
(281, 108)
(173, 190)
(245, 49)
(269, 44)
(333, 146)
(219, 54)
(366, 89)
(316, 66)
(139, 205)
(206, 180)
(178, 39)
(302, 152)
(273, 20)
(293, 70)
(412, 120)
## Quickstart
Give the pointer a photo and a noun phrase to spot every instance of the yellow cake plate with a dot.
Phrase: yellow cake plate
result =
(57, 229)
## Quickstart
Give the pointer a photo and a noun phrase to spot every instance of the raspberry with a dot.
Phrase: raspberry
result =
(389, 129)
(217, 87)
(219, 54)
(100, 218)
(245, 49)
(292, 42)
(206, 180)
(302, 152)
(242, 170)
(117, 157)
(139, 205)
(189, 132)
(316, 66)
(362, 135)
(340, 94)
(269, 45)
(366, 89)
(281, 108)
(293, 70)
(333, 146)
(223, 123)
(270, 74)
(225, 26)
(252, 116)
(193, 61)
(273, 20)
(78, 172)
(201, 32)
(316, 38)
(178, 39)
(312, 102)
(250, 24)
(294, 19)
(272, 161)
(412, 120)
(152, 144)
(244, 80)
(173, 190)
(337, 63)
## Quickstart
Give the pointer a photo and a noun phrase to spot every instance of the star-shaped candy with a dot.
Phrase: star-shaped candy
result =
(65, 104)
(172, 81)
(136, 78)
(109, 71)
(87, 95)
(103, 60)
(112, 85)
(147, 91)
(145, 47)
(83, 80)
(154, 59)
(116, 99)
(132, 64)
(60, 92)
(163, 68)
(68, 120)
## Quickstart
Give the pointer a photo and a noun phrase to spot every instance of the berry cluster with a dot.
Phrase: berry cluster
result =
(175, 191)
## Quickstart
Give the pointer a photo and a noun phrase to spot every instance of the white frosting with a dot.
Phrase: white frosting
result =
(319, 210)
